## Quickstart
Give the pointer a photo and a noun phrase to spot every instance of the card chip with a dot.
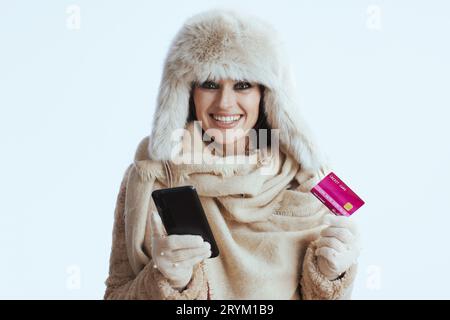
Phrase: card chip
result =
(348, 206)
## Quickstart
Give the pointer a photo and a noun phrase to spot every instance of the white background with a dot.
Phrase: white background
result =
(75, 102)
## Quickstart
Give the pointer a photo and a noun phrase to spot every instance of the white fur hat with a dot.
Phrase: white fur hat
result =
(224, 43)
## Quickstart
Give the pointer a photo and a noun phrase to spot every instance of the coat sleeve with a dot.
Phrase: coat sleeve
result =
(150, 283)
(315, 286)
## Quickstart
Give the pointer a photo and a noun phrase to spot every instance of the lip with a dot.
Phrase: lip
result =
(226, 125)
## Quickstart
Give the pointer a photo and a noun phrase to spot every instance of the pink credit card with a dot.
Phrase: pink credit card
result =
(337, 196)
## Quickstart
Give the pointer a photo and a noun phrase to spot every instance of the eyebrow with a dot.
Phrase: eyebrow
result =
(238, 80)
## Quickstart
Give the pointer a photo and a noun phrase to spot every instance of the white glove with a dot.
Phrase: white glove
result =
(338, 246)
(176, 255)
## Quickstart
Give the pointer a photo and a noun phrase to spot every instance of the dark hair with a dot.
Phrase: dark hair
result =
(261, 122)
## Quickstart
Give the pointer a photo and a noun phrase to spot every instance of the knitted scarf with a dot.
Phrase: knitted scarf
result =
(261, 213)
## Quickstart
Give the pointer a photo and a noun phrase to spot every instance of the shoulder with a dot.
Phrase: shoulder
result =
(142, 150)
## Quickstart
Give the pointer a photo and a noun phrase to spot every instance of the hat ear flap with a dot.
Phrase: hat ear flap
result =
(169, 118)
(295, 136)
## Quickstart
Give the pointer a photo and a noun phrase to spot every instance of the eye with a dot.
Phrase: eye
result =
(209, 85)
(242, 85)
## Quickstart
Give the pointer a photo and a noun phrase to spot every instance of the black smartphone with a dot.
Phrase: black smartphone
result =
(182, 212)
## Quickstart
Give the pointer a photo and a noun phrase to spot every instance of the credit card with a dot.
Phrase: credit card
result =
(337, 196)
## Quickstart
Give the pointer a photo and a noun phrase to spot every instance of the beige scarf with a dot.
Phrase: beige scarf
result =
(261, 213)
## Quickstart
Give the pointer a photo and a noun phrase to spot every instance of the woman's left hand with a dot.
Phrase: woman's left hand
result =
(338, 246)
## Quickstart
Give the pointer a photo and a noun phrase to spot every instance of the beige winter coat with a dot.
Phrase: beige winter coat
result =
(290, 227)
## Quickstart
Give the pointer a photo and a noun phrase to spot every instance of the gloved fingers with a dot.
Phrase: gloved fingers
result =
(157, 227)
(333, 243)
(182, 241)
(174, 272)
(341, 222)
(342, 234)
(326, 268)
(328, 253)
(338, 261)
(189, 263)
(186, 254)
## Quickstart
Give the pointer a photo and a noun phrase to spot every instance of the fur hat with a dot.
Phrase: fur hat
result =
(224, 43)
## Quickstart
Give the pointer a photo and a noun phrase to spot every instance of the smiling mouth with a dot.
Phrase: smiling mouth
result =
(228, 119)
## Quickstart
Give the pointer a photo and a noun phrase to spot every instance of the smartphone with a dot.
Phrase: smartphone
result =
(182, 212)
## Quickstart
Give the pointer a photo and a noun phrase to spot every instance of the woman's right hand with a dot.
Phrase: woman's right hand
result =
(176, 255)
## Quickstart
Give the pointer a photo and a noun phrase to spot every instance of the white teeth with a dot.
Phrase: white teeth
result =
(226, 119)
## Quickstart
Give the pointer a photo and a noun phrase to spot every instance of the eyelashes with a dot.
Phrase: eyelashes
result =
(240, 85)
(209, 85)
(246, 85)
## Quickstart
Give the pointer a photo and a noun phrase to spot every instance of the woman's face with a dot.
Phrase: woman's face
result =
(227, 108)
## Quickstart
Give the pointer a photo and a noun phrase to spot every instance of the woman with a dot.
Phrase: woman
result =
(225, 76)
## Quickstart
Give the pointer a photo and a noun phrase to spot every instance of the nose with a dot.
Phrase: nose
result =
(227, 98)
